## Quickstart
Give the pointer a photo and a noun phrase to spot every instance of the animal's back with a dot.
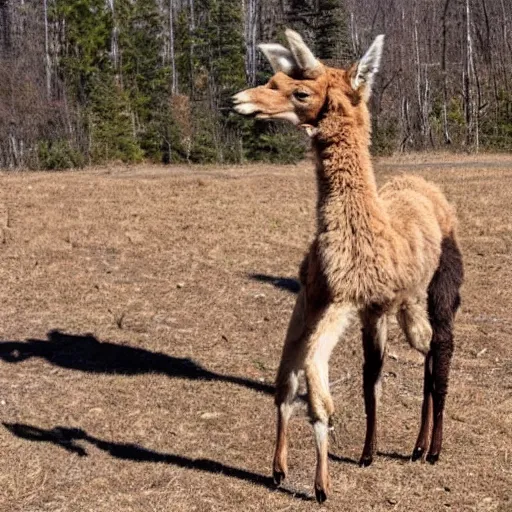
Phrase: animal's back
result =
(407, 187)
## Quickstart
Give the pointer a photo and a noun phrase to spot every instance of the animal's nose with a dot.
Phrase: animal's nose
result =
(246, 109)
(241, 97)
(243, 104)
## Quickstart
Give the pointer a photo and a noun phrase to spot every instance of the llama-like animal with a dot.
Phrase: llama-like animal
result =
(375, 253)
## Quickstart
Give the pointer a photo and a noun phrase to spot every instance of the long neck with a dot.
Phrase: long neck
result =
(347, 194)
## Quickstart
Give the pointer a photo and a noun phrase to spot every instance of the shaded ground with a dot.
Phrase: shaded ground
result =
(143, 311)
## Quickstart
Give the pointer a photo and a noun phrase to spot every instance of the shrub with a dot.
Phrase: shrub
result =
(58, 155)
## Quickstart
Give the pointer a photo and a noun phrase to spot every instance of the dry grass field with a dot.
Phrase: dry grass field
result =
(142, 315)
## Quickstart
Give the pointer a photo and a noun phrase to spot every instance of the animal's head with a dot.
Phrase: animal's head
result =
(302, 88)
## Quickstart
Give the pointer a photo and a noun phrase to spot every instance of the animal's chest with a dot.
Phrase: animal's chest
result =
(365, 271)
(346, 273)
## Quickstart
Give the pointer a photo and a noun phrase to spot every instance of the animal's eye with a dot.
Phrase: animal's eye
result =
(301, 95)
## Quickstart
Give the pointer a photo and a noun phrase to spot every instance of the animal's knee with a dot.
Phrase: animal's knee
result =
(320, 404)
(320, 410)
(416, 327)
(287, 385)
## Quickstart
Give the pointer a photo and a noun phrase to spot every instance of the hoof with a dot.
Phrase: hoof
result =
(321, 495)
(279, 476)
(417, 454)
(432, 458)
(365, 461)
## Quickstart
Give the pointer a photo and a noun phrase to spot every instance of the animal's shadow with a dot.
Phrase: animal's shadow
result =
(70, 438)
(283, 283)
(386, 455)
(395, 456)
(342, 459)
(86, 353)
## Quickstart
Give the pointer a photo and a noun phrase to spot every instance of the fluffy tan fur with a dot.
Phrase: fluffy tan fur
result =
(374, 253)
(374, 247)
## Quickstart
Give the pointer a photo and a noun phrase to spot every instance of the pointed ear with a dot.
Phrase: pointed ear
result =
(304, 57)
(279, 57)
(368, 66)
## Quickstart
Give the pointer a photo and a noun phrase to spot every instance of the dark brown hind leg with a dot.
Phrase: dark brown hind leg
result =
(374, 345)
(423, 440)
(443, 302)
(442, 350)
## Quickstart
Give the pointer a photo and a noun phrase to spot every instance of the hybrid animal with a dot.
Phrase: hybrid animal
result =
(375, 253)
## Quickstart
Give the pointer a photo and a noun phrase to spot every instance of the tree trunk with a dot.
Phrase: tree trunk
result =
(172, 55)
(251, 22)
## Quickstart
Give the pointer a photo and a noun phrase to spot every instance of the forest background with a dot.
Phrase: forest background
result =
(90, 81)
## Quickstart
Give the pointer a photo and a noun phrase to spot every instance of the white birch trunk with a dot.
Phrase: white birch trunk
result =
(250, 31)
(472, 107)
(115, 36)
(192, 29)
(354, 35)
(418, 78)
(48, 63)
(172, 55)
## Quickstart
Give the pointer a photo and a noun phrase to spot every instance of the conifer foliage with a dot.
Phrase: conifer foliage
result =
(89, 81)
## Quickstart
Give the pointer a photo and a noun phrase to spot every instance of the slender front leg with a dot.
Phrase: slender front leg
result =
(330, 327)
(285, 405)
(374, 346)
(287, 383)
(322, 478)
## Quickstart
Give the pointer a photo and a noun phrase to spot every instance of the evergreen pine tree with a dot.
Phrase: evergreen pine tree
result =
(144, 77)
(332, 40)
(87, 71)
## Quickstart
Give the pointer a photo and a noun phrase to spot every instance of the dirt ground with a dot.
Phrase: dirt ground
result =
(142, 315)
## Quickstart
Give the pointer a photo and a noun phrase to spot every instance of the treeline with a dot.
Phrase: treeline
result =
(89, 81)
(446, 72)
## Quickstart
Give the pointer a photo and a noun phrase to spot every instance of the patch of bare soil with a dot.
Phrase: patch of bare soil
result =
(143, 312)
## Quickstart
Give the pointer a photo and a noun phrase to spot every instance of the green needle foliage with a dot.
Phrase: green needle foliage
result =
(116, 66)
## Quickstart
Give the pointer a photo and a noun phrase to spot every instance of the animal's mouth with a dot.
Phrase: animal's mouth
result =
(246, 112)
(251, 111)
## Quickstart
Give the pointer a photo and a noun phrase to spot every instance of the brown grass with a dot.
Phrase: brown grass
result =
(181, 277)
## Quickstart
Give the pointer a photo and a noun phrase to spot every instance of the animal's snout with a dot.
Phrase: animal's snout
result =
(243, 104)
